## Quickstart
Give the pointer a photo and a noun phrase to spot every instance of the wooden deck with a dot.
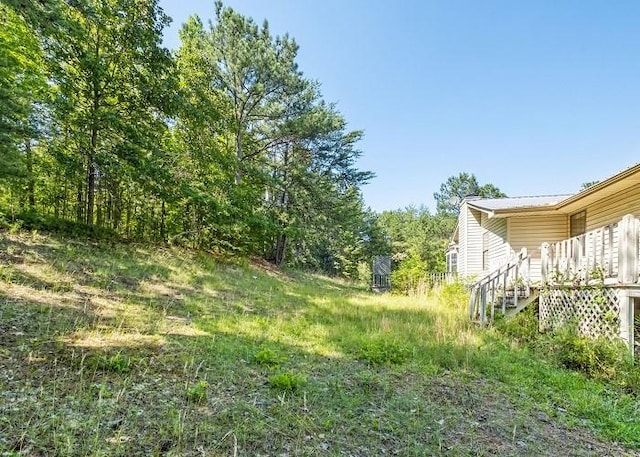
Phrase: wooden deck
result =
(591, 280)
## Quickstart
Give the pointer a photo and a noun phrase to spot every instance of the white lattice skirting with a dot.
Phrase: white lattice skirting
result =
(595, 310)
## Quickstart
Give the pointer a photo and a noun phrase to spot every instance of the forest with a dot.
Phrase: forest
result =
(223, 144)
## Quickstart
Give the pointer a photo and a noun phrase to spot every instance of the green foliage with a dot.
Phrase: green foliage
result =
(410, 275)
(456, 188)
(22, 82)
(267, 357)
(197, 393)
(629, 379)
(116, 363)
(523, 327)
(46, 223)
(364, 273)
(224, 146)
(417, 242)
(287, 381)
(382, 350)
(454, 295)
(596, 357)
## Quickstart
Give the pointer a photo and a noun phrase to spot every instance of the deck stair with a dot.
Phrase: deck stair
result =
(507, 290)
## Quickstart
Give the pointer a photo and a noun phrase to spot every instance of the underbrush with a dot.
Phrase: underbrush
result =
(49, 224)
(598, 358)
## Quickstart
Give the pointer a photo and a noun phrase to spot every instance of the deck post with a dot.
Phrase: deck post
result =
(544, 262)
(626, 318)
(628, 250)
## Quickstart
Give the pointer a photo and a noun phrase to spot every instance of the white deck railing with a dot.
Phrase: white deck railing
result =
(510, 282)
(608, 254)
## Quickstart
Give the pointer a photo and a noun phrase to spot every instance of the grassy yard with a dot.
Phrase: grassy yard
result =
(110, 350)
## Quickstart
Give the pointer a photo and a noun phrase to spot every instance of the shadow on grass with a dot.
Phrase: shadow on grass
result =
(177, 357)
(99, 264)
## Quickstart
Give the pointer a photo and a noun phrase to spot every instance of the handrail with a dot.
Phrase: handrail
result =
(607, 253)
(489, 285)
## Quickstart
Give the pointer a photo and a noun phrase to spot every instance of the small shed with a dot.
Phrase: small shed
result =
(381, 273)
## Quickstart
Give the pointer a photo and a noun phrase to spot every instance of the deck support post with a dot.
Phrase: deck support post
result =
(544, 262)
(626, 318)
(628, 250)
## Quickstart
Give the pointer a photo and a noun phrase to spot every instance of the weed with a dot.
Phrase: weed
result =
(381, 351)
(596, 357)
(454, 295)
(101, 390)
(523, 327)
(116, 363)
(103, 352)
(267, 357)
(287, 381)
(197, 393)
(409, 275)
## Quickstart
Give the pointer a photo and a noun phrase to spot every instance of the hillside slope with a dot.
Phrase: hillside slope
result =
(129, 350)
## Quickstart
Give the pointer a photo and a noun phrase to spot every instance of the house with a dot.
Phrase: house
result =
(489, 232)
(583, 248)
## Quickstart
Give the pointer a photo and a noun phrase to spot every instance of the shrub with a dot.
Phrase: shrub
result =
(523, 327)
(409, 275)
(631, 379)
(596, 357)
(454, 295)
(364, 273)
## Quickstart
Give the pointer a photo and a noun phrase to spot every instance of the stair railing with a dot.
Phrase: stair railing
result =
(495, 285)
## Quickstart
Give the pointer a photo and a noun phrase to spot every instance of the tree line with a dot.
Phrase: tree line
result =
(418, 239)
(222, 144)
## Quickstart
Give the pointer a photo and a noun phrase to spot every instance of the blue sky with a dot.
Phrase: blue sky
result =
(535, 97)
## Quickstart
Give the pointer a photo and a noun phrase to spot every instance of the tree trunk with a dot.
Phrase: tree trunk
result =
(281, 248)
(239, 156)
(31, 183)
(80, 203)
(91, 176)
(163, 230)
(99, 207)
(91, 165)
(128, 219)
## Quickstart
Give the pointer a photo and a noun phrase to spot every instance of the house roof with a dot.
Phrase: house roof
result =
(619, 181)
(565, 204)
(522, 206)
(497, 204)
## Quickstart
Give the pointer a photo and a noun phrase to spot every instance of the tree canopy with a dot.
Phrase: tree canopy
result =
(223, 144)
(456, 188)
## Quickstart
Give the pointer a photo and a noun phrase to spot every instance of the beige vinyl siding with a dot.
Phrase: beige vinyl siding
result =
(531, 232)
(474, 243)
(496, 238)
(462, 240)
(612, 208)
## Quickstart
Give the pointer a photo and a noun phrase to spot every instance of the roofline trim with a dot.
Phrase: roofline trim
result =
(599, 186)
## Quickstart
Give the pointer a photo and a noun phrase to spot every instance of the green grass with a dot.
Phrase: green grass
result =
(108, 349)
